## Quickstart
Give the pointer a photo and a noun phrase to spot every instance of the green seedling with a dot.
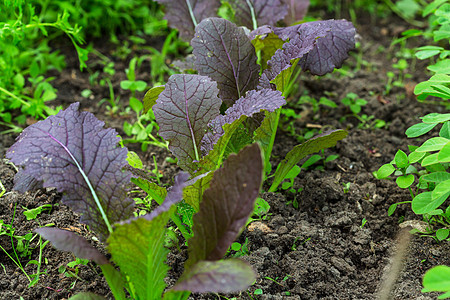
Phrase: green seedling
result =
(433, 184)
(354, 103)
(239, 249)
(437, 279)
(32, 214)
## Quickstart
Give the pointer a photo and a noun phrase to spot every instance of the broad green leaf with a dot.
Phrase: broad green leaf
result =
(223, 276)
(436, 177)
(430, 160)
(444, 154)
(441, 189)
(443, 90)
(428, 51)
(436, 117)
(392, 209)
(426, 88)
(416, 156)
(322, 141)
(442, 233)
(437, 279)
(423, 203)
(138, 248)
(401, 159)
(151, 96)
(419, 129)
(433, 144)
(430, 8)
(441, 67)
(405, 181)
(445, 130)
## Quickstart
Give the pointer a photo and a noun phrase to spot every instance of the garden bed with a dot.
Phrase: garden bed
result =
(330, 239)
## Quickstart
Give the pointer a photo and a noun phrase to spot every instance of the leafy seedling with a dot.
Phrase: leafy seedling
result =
(84, 161)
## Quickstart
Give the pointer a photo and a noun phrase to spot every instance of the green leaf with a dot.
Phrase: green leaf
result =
(136, 104)
(138, 248)
(134, 160)
(264, 136)
(115, 281)
(214, 159)
(283, 79)
(385, 171)
(322, 141)
(436, 118)
(428, 51)
(433, 144)
(430, 160)
(431, 8)
(444, 154)
(445, 130)
(268, 46)
(392, 209)
(442, 233)
(405, 181)
(425, 88)
(442, 189)
(441, 67)
(437, 279)
(436, 177)
(152, 189)
(401, 159)
(419, 129)
(416, 156)
(151, 96)
(423, 203)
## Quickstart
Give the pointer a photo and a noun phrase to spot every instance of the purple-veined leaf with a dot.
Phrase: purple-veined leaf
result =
(266, 12)
(226, 205)
(223, 276)
(225, 54)
(318, 46)
(254, 102)
(65, 240)
(183, 111)
(186, 14)
(296, 10)
(74, 153)
(322, 141)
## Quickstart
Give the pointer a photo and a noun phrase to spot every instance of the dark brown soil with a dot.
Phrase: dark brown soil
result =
(319, 250)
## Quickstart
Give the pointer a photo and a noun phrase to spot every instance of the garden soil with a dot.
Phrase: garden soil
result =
(330, 239)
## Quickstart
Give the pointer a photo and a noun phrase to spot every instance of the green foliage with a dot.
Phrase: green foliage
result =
(25, 57)
(352, 101)
(437, 279)
(433, 177)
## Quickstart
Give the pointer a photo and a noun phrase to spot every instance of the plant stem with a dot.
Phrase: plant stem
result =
(252, 11)
(191, 13)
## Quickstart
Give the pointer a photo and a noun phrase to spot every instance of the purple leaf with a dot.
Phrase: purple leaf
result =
(72, 152)
(226, 205)
(68, 241)
(320, 47)
(252, 103)
(183, 111)
(267, 12)
(225, 54)
(296, 10)
(179, 15)
(224, 276)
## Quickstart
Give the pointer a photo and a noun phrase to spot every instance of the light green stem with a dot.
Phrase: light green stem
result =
(191, 13)
(252, 12)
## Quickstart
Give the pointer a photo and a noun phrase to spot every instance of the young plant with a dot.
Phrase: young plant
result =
(73, 153)
(434, 156)
(188, 110)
